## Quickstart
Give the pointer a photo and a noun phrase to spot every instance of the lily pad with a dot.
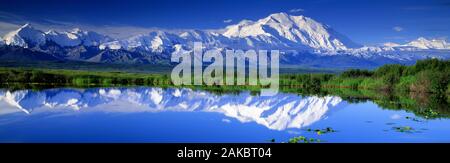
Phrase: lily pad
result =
(405, 129)
(321, 131)
(303, 139)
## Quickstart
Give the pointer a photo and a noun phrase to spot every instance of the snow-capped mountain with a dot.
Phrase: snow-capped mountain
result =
(28, 37)
(292, 32)
(63, 39)
(155, 42)
(279, 31)
(301, 40)
(279, 112)
(420, 44)
(420, 48)
(76, 37)
(423, 43)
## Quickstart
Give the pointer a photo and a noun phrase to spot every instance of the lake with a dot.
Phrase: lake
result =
(166, 115)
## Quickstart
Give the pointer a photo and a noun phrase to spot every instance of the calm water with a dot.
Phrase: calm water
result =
(145, 114)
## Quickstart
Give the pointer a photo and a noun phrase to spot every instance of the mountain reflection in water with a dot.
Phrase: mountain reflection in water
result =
(275, 112)
(146, 114)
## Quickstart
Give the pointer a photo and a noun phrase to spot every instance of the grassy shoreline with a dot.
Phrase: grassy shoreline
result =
(426, 76)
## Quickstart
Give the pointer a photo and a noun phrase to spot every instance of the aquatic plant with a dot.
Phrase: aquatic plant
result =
(303, 139)
(321, 131)
(405, 129)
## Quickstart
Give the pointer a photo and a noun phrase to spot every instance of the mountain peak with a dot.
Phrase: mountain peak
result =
(26, 25)
(28, 28)
(286, 16)
(245, 22)
(292, 32)
(279, 15)
(422, 39)
(63, 38)
(51, 32)
(76, 30)
(424, 43)
(24, 34)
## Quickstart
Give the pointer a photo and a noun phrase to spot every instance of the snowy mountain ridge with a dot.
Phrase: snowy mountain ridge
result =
(297, 37)
(27, 36)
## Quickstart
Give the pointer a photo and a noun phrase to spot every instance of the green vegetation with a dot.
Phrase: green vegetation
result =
(426, 76)
(322, 131)
(79, 78)
(302, 139)
(405, 129)
(88, 66)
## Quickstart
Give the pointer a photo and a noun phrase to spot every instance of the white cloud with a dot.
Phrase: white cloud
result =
(396, 116)
(6, 27)
(294, 132)
(296, 10)
(226, 120)
(227, 21)
(397, 28)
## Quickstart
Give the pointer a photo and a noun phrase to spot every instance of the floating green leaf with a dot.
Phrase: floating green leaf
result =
(321, 131)
(405, 129)
(302, 139)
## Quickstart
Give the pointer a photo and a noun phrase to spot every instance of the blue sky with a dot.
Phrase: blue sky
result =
(366, 22)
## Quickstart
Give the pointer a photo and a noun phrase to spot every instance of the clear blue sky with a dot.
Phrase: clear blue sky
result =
(365, 22)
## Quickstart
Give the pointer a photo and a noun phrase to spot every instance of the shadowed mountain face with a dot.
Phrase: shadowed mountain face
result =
(301, 40)
(279, 112)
